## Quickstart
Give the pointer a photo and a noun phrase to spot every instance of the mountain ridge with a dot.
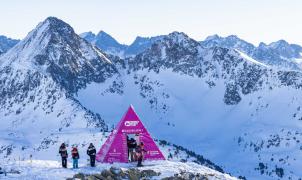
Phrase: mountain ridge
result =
(111, 46)
(280, 54)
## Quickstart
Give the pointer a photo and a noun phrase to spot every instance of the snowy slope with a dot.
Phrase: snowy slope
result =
(38, 169)
(45, 163)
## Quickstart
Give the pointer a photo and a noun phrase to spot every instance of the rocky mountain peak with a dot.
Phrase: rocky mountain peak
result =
(140, 39)
(212, 37)
(57, 24)
(178, 37)
(286, 49)
(53, 48)
(103, 34)
(106, 41)
(54, 29)
(89, 36)
(262, 45)
(231, 42)
(279, 44)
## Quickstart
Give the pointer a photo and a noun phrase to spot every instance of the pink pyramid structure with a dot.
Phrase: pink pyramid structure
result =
(115, 147)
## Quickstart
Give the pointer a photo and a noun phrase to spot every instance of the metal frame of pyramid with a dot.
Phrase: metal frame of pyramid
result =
(115, 147)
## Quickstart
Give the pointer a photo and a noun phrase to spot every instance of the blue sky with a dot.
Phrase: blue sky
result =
(252, 20)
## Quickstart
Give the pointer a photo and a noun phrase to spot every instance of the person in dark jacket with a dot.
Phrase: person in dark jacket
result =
(140, 150)
(75, 157)
(91, 152)
(131, 149)
(64, 155)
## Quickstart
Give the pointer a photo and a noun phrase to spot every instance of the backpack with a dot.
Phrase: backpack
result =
(75, 153)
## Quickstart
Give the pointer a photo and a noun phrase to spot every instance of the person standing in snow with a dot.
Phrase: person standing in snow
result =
(131, 149)
(75, 156)
(140, 150)
(91, 152)
(64, 155)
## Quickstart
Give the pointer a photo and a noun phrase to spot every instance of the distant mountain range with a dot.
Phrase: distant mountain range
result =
(236, 104)
(280, 54)
(6, 43)
(111, 46)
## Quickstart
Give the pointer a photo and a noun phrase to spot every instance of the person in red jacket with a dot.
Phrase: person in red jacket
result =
(75, 156)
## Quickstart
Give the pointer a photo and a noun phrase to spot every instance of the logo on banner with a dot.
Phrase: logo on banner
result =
(131, 123)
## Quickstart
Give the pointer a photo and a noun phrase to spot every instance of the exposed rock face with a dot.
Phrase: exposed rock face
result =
(118, 174)
(184, 55)
(137, 174)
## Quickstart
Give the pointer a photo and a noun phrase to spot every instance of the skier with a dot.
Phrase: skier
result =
(75, 157)
(91, 151)
(140, 150)
(64, 155)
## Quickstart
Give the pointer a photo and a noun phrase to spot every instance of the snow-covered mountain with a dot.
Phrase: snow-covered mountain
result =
(240, 112)
(37, 79)
(231, 41)
(140, 44)
(109, 45)
(105, 42)
(279, 54)
(6, 43)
